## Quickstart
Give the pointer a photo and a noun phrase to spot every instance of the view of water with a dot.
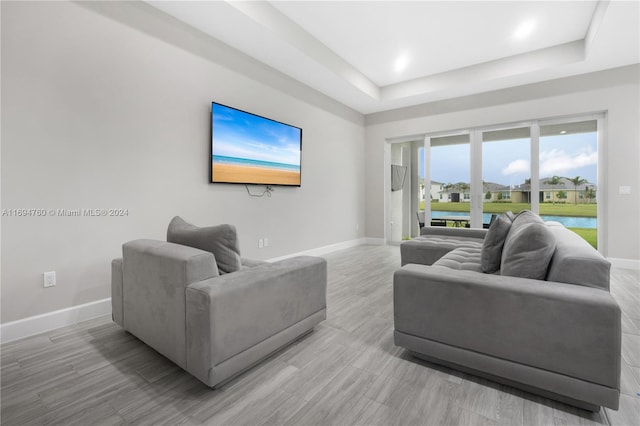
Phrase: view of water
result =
(567, 221)
(221, 159)
(573, 222)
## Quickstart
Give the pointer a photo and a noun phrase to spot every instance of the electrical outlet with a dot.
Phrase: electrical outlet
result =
(266, 242)
(260, 243)
(624, 190)
(49, 279)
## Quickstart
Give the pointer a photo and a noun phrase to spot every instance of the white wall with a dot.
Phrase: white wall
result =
(396, 197)
(407, 191)
(401, 200)
(106, 105)
(614, 91)
(414, 227)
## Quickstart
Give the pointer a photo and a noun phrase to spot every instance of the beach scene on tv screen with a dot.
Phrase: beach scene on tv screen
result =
(251, 149)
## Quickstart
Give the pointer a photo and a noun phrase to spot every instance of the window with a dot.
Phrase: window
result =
(568, 163)
(450, 165)
(549, 167)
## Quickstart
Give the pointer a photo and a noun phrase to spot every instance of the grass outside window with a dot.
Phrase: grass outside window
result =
(575, 210)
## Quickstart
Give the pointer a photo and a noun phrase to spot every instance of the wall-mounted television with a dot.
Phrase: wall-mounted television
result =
(249, 149)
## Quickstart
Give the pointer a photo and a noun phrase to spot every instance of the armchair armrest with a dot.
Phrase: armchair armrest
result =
(565, 328)
(231, 313)
(155, 276)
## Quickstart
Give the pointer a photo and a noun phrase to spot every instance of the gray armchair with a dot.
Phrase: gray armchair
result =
(172, 297)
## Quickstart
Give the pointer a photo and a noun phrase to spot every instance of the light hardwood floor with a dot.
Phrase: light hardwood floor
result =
(346, 372)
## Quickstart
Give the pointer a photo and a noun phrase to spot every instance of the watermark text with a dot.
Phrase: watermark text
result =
(84, 212)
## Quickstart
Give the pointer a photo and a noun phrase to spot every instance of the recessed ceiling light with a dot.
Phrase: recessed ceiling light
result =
(562, 132)
(524, 30)
(401, 63)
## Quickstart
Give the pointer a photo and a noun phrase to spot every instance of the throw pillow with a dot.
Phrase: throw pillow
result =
(526, 216)
(528, 248)
(491, 254)
(221, 240)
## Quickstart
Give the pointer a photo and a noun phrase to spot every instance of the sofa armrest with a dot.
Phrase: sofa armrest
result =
(454, 232)
(155, 276)
(565, 328)
(231, 313)
(436, 242)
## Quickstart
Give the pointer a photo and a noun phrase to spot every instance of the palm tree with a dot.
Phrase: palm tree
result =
(577, 181)
(463, 188)
(527, 184)
(553, 181)
(589, 194)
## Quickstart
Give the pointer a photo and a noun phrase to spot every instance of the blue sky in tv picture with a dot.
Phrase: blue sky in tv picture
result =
(250, 140)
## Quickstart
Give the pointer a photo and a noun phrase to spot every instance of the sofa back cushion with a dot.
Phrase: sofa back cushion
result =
(220, 240)
(528, 248)
(491, 255)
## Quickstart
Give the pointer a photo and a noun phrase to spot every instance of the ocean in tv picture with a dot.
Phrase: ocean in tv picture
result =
(220, 159)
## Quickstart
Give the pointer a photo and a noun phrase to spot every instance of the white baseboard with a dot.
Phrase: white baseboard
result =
(624, 263)
(326, 249)
(45, 322)
(374, 241)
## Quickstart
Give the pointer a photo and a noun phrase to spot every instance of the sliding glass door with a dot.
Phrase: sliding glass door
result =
(506, 172)
(548, 167)
(568, 164)
(450, 186)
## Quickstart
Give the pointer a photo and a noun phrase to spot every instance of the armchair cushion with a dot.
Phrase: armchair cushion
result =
(491, 255)
(220, 240)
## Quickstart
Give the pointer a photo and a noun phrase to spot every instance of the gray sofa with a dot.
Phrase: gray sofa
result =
(556, 334)
(214, 322)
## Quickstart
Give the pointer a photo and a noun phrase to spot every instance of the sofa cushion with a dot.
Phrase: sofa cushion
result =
(220, 240)
(462, 258)
(528, 248)
(493, 243)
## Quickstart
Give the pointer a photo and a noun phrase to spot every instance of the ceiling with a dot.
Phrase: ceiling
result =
(379, 55)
